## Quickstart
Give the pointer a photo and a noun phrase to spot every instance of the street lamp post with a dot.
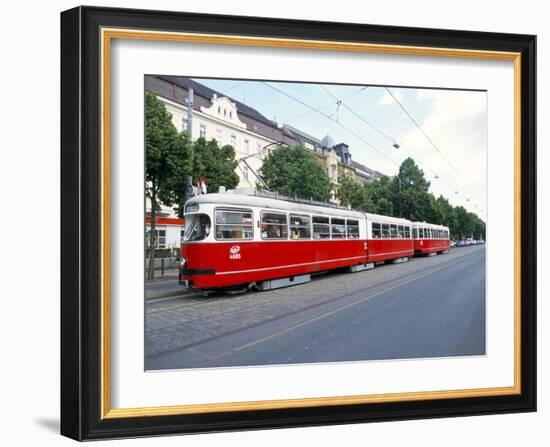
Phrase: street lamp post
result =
(399, 183)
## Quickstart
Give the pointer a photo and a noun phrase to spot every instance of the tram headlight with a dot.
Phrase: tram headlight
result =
(183, 262)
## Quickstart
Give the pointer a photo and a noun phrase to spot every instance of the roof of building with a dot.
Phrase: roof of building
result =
(367, 170)
(287, 134)
(300, 133)
(328, 141)
(207, 92)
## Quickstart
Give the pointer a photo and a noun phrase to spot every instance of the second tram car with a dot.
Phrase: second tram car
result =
(234, 239)
(430, 239)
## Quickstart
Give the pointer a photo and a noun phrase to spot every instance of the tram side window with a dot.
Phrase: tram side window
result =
(353, 229)
(234, 224)
(274, 226)
(421, 233)
(415, 233)
(401, 232)
(407, 232)
(338, 228)
(393, 229)
(376, 230)
(300, 227)
(386, 231)
(321, 227)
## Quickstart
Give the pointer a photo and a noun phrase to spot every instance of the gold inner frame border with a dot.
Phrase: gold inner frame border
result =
(107, 35)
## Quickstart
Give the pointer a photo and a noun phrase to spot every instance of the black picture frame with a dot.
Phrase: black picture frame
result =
(81, 215)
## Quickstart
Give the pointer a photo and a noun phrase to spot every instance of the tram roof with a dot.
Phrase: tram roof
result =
(237, 199)
(261, 201)
(429, 225)
(387, 219)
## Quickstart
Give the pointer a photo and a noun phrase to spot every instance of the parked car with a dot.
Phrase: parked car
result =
(460, 243)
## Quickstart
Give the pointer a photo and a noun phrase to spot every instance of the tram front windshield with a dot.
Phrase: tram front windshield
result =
(197, 227)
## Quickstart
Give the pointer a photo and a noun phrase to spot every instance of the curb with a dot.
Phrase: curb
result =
(168, 293)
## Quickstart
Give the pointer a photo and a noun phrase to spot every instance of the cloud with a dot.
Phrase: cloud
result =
(457, 124)
(386, 98)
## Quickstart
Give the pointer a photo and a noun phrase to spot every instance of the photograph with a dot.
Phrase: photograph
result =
(303, 223)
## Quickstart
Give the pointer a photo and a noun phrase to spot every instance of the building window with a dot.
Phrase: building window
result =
(184, 123)
(233, 140)
(202, 131)
(247, 146)
(160, 241)
(230, 114)
(274, 226)
(258, 148)
(219, 135)
(219, 110)
(245, 172)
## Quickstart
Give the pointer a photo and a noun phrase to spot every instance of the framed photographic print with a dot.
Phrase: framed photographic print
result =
(277, 223)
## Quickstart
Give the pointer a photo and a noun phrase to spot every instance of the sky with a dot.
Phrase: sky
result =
(448, 141)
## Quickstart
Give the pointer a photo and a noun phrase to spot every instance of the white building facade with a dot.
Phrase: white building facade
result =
(220, 121)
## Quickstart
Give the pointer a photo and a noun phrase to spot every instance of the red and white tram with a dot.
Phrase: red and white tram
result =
(234, 239)
(388, 238)
(430, 239)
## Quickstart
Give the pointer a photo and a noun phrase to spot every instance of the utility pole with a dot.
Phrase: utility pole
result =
(190, 112)
(399, 183)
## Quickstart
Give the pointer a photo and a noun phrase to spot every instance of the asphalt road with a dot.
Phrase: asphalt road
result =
(428, 307)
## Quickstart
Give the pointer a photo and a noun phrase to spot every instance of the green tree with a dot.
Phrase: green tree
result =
(202, 159)
(410, 192)
(355, 194)
(216, 164)
(385, 207)
(296, 171)
(166, 158)
(174, 186)
(382, 196)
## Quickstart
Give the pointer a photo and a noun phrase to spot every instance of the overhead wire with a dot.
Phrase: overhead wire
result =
(317, 110)
(391, 139)
(409, 115)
